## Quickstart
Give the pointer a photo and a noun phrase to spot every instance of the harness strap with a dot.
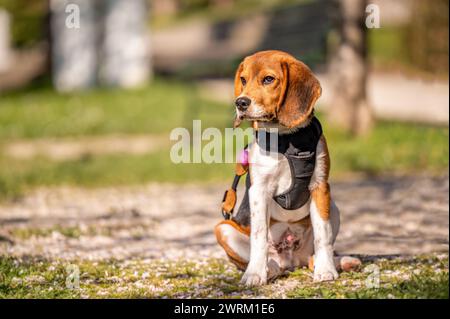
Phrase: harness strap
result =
(240, 169)
(230, 196)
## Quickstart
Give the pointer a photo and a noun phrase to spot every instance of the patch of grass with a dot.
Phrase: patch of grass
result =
(390, 147)
(76, 230)
(428, 286)
(387, 45)
(66, 231)
(33, 279)
(17, 177)
(26, 233)
(157, 108)
(119, 279)
(392, 48)
(418, 277)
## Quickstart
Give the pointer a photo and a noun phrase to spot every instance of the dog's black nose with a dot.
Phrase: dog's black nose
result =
(242, 103)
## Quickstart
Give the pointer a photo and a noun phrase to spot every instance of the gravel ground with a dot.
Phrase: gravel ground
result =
(380, 216)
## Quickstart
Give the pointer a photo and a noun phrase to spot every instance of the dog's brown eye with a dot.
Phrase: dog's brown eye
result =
(243, 81)
(268, 80)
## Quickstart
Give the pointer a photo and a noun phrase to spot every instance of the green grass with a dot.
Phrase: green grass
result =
(17, 177)
(67, 231)
(390, 147)
(387, 44)
(34, 278)
(418, 277)
(390, 49)
(157, 109)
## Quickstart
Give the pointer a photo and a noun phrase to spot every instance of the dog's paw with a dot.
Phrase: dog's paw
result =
(320, 276)
(254, 278)
(325, 272)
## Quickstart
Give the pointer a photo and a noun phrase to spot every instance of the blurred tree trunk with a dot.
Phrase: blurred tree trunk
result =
(125, 51)
(349, 69)
(5, 41)
(73, 34)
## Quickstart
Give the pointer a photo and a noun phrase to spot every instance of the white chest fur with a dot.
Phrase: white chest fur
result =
(271, 172)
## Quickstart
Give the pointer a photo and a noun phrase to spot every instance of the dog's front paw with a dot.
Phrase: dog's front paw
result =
(254, 278)
(325, 271)
(325, 275)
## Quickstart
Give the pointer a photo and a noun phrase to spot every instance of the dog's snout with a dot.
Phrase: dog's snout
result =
(242, 103)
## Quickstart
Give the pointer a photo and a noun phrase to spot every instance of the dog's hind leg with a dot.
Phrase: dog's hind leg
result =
(235, 240)
(342, 263)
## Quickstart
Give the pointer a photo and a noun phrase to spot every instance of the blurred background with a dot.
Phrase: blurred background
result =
(93, 105)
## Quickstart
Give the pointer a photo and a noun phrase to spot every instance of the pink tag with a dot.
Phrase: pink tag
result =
(243, 157)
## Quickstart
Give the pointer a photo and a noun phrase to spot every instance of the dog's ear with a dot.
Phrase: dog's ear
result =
(237, 80)
(238, 87)
(299, 92)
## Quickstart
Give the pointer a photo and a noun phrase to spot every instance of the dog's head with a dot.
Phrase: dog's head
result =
(273, 86)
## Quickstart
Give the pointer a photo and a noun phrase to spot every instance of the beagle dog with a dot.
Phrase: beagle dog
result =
(277, 92)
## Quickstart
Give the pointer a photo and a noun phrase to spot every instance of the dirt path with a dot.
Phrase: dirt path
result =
(402, 215)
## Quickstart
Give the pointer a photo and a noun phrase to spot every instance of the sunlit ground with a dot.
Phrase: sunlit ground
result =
(418, 277)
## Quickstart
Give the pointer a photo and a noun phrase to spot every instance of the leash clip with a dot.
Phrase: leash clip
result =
(230, 197)
(226, 215)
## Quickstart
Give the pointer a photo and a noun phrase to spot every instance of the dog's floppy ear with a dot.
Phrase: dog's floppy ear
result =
(238, 90)
(300, 91)
(237, 80)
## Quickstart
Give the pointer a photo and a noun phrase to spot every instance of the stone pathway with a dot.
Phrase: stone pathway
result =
(389, 215)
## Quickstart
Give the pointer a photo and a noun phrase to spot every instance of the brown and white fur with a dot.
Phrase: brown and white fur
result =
(281, 92)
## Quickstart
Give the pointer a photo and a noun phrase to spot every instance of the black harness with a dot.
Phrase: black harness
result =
(299, 148)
